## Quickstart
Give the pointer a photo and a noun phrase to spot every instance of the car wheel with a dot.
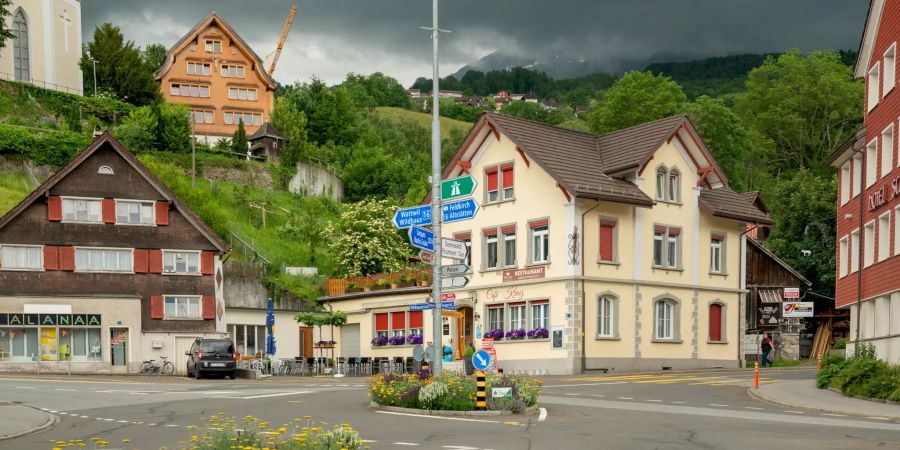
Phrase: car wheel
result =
(233, 376)
(197, 374)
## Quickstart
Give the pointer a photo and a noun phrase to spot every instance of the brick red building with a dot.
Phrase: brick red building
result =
(868, 218)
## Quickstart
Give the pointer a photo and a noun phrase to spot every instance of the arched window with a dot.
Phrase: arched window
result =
(21, 60)
(661, 174)
(106, 170)
(665, 320)
(673, 188)
(606, 316)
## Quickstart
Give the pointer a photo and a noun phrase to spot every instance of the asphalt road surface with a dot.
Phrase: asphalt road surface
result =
(665, 410)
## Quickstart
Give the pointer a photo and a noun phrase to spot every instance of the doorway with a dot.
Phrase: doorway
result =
(464, 329)
(306, 342)
(118, 349)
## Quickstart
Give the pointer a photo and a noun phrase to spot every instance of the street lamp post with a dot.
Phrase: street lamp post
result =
(94, 63)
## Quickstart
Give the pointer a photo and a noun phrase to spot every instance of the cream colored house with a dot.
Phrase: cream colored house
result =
(46, 44)
(627, 247)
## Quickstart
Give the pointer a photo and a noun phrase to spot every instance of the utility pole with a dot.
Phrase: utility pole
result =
(436, 194)
(94, 62)
(193, 153)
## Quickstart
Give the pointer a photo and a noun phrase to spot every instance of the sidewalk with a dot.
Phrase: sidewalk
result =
(20, 420)
(805, 394)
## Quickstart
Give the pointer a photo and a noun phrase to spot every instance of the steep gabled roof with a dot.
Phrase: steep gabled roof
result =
(778, 260)
(213, 16)
(727, 204)
(266, 130)
(630, 147)
(106, 139)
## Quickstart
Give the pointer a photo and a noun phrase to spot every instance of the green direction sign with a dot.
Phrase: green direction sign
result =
(457, 187)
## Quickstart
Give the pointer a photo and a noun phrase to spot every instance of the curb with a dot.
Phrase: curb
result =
(52, 421)
(873, 400)
(430, 412)
(760, 396)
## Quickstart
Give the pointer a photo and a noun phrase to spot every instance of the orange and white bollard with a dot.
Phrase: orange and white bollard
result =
(819, 364)
(756, 375)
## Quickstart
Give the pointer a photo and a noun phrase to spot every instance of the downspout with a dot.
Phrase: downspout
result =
(584, 293)
(859, 251)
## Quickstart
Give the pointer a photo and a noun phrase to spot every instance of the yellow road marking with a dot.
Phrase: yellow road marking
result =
(675, 380)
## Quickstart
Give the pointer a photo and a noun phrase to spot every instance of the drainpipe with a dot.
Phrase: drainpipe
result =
(862, 195)
(584, 293)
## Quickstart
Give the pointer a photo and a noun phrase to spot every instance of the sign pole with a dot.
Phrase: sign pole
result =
(436, 191)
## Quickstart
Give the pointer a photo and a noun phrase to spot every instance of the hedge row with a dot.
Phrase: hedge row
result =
(55, 148)
(861, 375)
(70, 108)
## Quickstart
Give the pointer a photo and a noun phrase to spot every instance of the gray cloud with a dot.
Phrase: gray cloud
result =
(333, 37)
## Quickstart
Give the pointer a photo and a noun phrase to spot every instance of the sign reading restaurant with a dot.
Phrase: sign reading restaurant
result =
(28, 320)
(528, 273)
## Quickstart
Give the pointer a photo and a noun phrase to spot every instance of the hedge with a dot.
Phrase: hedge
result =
(862, 375)
(55, 148)
(70, 108)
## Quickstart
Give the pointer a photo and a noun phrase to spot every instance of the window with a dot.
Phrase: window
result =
(500, 182)
(506, 172)
(103, 260)
(857, 174)
(664, 319)
(195, 68)
(889, 69)
(213, 46)
(871, 162)
(495, 317)
(842, 257)
(81, 210)
(887, 150)
(509, 246)
(105, 170)
(674, 191)
(716, 322)
(203, 116)
(248, 118)
(241, 94)
(490, 243)
(493, 189)
(382, 324)
(79, 344)
(717, 253)
(607, 240)
(667, 247)
(540, 242)
(416, 322)
(540, 314)
(872, 88)
(845, 183)
(183, 307)
(181, 262)
(21, 56)
(135, 213)
(869, 246)
(606, 310)
(231, 71)
(884, 236)
(661, 175)
(516, 316)
(248, 339)
(20, 257)
(189, 90)
(854, 251)
(19, 344)
(398, 323)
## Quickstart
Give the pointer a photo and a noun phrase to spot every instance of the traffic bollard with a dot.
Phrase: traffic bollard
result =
(756, 375)
(480, 391)
(819, 363)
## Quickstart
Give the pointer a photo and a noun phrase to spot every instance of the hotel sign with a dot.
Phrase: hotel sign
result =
(528, 273)
(878, 198)
(63, 320)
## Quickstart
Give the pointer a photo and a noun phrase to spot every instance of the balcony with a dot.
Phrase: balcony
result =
(395, 280)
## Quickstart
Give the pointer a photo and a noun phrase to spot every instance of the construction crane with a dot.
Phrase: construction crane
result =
(284, 33)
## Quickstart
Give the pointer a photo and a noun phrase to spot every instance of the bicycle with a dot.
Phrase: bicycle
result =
(164, 368)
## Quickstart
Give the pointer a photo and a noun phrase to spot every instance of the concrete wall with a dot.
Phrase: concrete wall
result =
(316, 181)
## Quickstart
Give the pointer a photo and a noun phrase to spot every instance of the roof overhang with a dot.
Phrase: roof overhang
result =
(853, 144)
(867, 42)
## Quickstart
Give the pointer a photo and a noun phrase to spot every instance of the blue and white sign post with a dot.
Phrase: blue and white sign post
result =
(422, 238)
(481, 359)
(417, 215)
(459, 210)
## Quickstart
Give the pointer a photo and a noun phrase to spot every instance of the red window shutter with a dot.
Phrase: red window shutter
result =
(67, 258)
(538, 223)
(674, 231)
(715, 322)
(51, 257)
(416, 319)
(398, 320)
(490, 232)
(54, 208)
(516, 304)
(606, 243)
(492, 181)
(381, 322)
(162, 212)
(108, 207)
(140, 260)
(154, 261)
(209, 307)
(507, 178)
(462, 236)
(508, 229)
(495, 305)
(207, 263)
(156, 307)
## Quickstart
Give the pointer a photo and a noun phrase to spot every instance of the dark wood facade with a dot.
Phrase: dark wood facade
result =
(766, 272)
(123, 177)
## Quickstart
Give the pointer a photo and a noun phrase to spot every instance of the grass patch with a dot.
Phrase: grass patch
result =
(13, 188)
(424, 119)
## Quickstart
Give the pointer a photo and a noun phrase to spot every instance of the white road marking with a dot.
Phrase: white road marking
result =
(44, 409)
(124, 421)
(461, 419)
(720, 406)
(172, 425)
(654, 401)
(65, 414)
(151, 424)
(679, 403)
(587, 384)
(278, 394)
(878, 418)
(834, 415)
(543, 415)
(754, 407)
(64, 389)
(795, 412)
(53, 411)
(368, 441)
(624, 398)
(571, 394)
(459, 447)
(405, 443)
(25, 387)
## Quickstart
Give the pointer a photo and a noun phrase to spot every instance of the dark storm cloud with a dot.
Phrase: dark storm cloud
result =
(333, 37)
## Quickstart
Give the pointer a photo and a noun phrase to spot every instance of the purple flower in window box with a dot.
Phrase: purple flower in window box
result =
(494, 334)
(518, 333)
(538, 333)
(380, 341)
(414, 339)
(397, 340)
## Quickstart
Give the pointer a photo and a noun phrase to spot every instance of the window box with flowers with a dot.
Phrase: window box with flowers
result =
(496, 335)
(538, 333)
(397, 340)
(415, 339)
(379, 341)
(325, 344)
(516, 334)
(352, 287)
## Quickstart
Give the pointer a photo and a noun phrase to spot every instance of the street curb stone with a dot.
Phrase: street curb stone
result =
(875, 400)
(53, 420)
(429, 412)
(752, 392)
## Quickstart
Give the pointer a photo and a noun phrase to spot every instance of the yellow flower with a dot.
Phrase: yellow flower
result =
(126, 440)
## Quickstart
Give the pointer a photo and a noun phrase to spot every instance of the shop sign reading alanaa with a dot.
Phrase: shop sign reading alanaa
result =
(28, 320)
(877, 199)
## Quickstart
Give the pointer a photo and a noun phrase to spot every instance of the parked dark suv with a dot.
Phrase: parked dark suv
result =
(211, 356)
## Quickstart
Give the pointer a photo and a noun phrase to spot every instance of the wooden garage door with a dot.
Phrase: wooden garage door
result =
(350, 341)
(182, 344)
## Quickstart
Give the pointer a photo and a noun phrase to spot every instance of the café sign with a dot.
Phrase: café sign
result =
(63, 320)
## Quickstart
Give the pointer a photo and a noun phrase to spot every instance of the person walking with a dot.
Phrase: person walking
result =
(766, 346)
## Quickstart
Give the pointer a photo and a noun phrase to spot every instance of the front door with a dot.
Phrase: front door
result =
(118, 348)
(306, 342)
(464, 334)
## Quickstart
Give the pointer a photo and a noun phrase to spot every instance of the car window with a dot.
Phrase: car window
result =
(216, 346)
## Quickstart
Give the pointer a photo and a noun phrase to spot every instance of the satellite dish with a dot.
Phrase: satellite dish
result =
(418, 353)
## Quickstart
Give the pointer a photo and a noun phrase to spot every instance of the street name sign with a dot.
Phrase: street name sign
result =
(451, 305)
(454, 282)
(426, 257)
(456, 269)
(459, 210)
(457, 187)
(481, 360)
(421, 306)
(454, 249)
(417, 215)
(422, 238)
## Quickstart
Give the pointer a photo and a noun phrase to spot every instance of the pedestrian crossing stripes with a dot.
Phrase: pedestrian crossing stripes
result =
(689, 379)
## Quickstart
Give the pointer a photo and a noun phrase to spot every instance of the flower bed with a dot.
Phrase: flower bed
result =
(451, 391)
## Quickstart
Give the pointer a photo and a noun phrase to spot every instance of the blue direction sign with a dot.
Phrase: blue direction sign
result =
(421, 238)
(421, 306)
(481, 360)
(459, 210)
(417, 215)
(448, 305)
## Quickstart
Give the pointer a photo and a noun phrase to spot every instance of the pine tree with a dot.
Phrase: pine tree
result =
(121, 70)
(239, 140)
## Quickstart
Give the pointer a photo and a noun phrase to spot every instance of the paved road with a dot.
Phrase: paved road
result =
(702, 409)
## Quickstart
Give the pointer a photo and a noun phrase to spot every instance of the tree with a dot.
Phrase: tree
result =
(806, 105)
(636, 98)
(364, 241)
(376, 89)
(5, 32)
(533, 111)
(330, 113)
(726, 136)
(138, 130)
(154, 55)
(121, 71)
(373, 172)
(174, 128)
(287, 117)
(239, 140)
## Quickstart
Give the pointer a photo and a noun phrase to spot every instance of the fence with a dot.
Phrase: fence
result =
(338, 286)
(246, 248)
(56, 87)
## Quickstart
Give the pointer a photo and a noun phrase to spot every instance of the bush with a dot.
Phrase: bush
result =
(54, 148)
(450, 391)
(138, 130)
(862, 375)
(840, 344)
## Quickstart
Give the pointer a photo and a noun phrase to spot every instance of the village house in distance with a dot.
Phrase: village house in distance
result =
(626, 250)
(216, 73)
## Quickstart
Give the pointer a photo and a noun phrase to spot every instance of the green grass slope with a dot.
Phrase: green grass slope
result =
(13, 188)
(424, 119)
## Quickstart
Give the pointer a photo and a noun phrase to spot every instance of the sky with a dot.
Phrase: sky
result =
(330, 38)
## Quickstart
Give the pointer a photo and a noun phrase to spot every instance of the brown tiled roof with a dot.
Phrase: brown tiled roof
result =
(267, 129)
(727, 204)
(629, 148)
(107, 139)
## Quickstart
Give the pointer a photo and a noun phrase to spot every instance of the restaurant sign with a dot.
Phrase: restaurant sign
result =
(528, 273)
(63, 320)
